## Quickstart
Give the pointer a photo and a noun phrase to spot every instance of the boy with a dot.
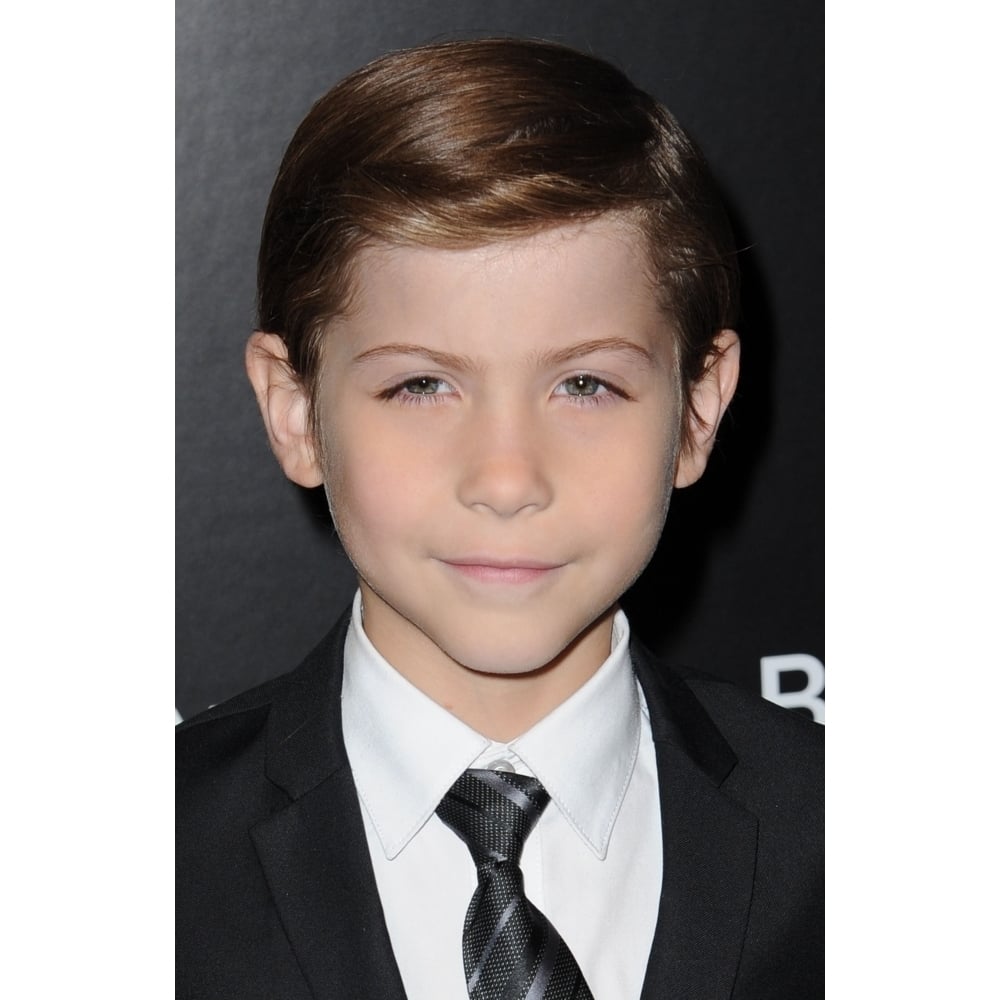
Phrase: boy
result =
(496, 292)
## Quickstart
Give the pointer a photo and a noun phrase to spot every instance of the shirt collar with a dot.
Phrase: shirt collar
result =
(406, 750)
(584, 751)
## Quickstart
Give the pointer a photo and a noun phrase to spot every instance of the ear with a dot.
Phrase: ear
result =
(284, 406)
(709, 399)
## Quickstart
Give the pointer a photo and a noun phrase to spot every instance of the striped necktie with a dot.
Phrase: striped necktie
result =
(511, 951)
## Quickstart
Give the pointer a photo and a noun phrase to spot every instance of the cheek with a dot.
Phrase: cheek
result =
(374, 491)
(360, 500)
(639, 477)
(638, 517)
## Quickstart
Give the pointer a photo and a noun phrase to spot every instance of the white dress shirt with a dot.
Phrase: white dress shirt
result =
(592, 865)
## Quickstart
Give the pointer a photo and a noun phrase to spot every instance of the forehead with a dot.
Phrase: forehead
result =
(588, 279)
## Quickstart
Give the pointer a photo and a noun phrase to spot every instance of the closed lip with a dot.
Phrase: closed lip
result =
(495, 562)
(490, 569)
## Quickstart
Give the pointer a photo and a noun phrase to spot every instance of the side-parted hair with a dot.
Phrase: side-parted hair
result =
(465, 143)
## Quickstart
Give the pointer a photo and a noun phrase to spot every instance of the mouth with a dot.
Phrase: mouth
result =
(501, 571)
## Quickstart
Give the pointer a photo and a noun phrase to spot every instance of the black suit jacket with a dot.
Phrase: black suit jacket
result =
(276, 896)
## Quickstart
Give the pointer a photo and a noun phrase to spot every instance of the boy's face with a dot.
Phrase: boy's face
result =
(499, 435)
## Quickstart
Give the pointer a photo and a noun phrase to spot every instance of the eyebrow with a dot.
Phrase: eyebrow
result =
(460, 362)
(444, 359)
(618, 344)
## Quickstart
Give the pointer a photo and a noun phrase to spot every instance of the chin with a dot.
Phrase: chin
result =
(511, 658)
(507, 655)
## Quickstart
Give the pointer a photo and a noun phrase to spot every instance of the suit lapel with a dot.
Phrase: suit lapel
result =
(709, 848)
(314, 852)
(316, 861)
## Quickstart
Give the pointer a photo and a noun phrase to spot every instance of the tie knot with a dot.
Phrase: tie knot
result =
(493, 812)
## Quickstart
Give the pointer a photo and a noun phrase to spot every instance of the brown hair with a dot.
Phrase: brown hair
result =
(465, 143)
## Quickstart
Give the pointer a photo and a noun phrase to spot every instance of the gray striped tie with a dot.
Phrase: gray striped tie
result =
(511, 951)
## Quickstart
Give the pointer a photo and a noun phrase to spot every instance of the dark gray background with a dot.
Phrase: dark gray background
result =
(739, 572)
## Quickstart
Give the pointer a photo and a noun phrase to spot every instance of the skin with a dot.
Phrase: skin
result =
(498, 437)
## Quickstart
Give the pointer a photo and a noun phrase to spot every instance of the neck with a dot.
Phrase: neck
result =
(498, 705)
(503, 706)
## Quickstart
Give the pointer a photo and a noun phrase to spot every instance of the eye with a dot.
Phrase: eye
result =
(423, 386)
(590, 389)
(420, 389)
(583, 385)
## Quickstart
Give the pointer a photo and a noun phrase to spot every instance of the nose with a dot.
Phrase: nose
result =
(504, 468)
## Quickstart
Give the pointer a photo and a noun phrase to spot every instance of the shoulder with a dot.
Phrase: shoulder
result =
(224, 750)
(767, 758)
(708, 712)
(229, 783)
(780, 765)
(228, 726)
(754, 727)
(764, 764)
(221, 764)
(226, 729)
